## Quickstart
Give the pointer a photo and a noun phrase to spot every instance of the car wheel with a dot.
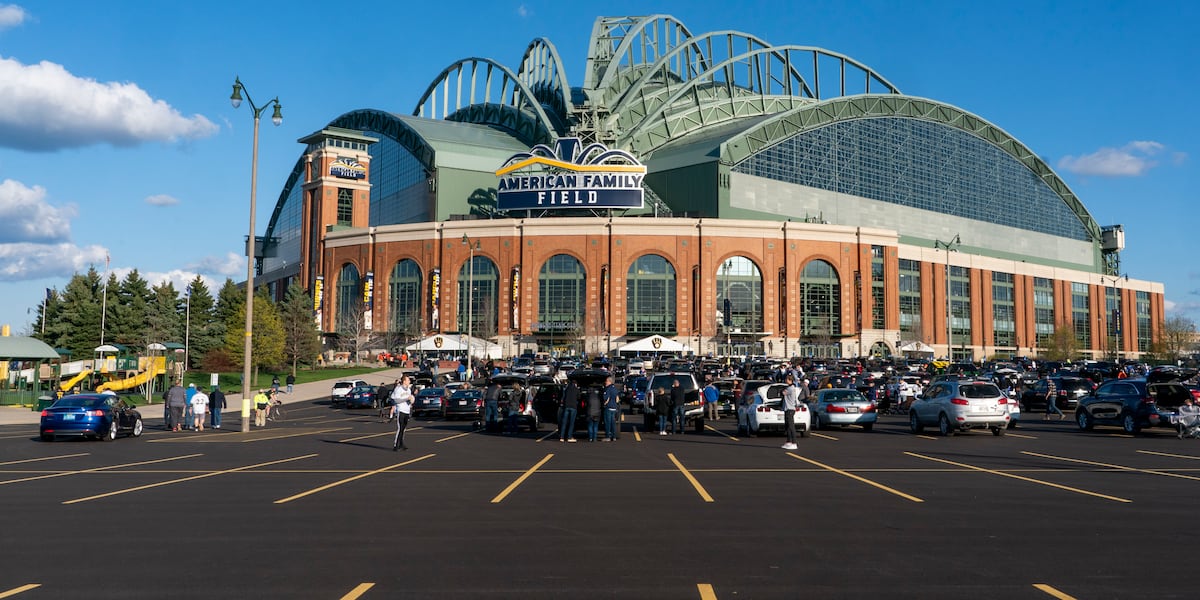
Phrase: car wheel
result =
(111, 434)
(998, 431)
(137, 428)
(914, 423)
(944, 425)
(867, 427)
(47, 437)
(1129, 424)
(1084, 420)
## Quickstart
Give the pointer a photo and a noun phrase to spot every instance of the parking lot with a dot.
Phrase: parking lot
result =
(321, 507)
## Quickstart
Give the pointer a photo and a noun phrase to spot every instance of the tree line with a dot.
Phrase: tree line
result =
(133, 313)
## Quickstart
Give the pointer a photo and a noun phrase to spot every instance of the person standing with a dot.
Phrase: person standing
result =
(262, 403)
(1052, 400)
(593, 413)
(401, 410)
(199, 407)
(711, 395)
(275, 384)
(677, 402)
(216, 403)
(176, 399)
(513, 408)
(791, 401)
(661, 402)
(570, 408)
(187, 406)
(612, 409)
(491, 406)
(291, 382)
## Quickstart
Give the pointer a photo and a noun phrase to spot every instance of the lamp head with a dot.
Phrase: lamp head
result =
(236, 98)
(466, 241)
(277, 115)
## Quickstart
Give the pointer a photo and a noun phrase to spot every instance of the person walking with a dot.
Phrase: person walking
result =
(199, 407)
(677, 407)
(711, 395)
(401, 410)
(187, 405)
(661, 402)
(1052, 400)
(791, 401)
(612, 409)
(594, 411)
(262, 403)
(291, 382)
(570, 408)
(216, 403)
(512, 409)
(176, 399)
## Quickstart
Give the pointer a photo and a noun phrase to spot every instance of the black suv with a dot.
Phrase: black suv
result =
(1135, 403)
(1070, 391)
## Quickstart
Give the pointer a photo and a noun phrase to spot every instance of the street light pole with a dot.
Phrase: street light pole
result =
(187, 327)
(726, 313)
(1116, 314)
(276, 117)
(949, 246)
(472, 246)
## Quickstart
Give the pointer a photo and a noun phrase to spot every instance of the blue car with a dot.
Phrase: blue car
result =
(360, 396)
(102, 416)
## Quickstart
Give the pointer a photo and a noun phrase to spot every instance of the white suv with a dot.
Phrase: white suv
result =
(337, 397)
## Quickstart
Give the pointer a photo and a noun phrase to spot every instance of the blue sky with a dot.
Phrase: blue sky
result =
(117, 136)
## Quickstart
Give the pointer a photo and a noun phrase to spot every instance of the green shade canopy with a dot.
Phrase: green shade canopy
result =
(25, 348)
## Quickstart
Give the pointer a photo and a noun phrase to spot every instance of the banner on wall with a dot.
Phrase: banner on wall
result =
(570, 175)
(368, 294)
(516, 298)
(435, 298)
(604, 297)
(318, 298)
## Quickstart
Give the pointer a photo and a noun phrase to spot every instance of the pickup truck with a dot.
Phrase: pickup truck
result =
(694, 408)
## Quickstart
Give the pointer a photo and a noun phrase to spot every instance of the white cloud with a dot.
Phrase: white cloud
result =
(230, 265)
(25, 261)
(25, 216)
(1131, 160)
(522, 11)
(161, 200)
(11, 15)
(47, 108)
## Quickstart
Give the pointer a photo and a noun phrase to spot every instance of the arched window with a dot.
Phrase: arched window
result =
(404, 299)
(480, 286)
(650, 296)
(349, 299)
(740, 281)
(561, 286)
(820, 301)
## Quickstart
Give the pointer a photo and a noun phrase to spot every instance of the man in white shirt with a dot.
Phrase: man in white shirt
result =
(401, 409)
(199, 407)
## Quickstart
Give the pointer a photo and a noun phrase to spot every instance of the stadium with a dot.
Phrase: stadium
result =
(711, 189)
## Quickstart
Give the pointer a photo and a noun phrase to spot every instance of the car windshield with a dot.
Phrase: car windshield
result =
(343, 385)
(467, 394)
(79, 402)
(667, 381)
(840, 396)
(979, 390)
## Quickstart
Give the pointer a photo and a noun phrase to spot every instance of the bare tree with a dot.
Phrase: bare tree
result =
(353, 334)
(1177, 337)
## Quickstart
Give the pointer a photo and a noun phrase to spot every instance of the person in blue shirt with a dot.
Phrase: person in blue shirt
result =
(711, 395)
(612, 409)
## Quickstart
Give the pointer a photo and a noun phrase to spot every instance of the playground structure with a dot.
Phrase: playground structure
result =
(116, 368)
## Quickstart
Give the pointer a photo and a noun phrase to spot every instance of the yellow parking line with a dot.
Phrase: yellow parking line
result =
(512, 486)
(358, 590)
(373, 435)
(1025, 437)
(1170, 455)
(29, 460)
(1022, 478)
(927, 437)
(349, 479)
(279, 437)
(706, 591)
(1043, 587)
(710, 428)
(193, 477)
(1112, 466)
(18, 590)
(446, 439)
(546, 436)
(821, 435)
(857, 478)
(637, 434)
(64, 473)
(688, 475)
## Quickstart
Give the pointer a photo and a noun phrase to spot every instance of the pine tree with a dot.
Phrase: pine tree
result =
(127, 306)
(199, 323)
(164, 316)
(76, 325)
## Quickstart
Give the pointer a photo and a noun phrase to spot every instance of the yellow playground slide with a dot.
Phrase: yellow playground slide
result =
(70, 383)
(157, 366)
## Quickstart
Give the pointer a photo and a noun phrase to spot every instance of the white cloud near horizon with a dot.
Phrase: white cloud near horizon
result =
(27, 217)
(1131, 160)
(47, 108)
(25, 261)
(11, 16)
(161, 200)
(231, 265)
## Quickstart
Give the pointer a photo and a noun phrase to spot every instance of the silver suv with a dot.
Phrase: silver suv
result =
(337, 396)
(694, 409)
(960, 405)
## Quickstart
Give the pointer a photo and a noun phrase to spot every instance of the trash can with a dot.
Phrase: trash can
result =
(44, 402)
